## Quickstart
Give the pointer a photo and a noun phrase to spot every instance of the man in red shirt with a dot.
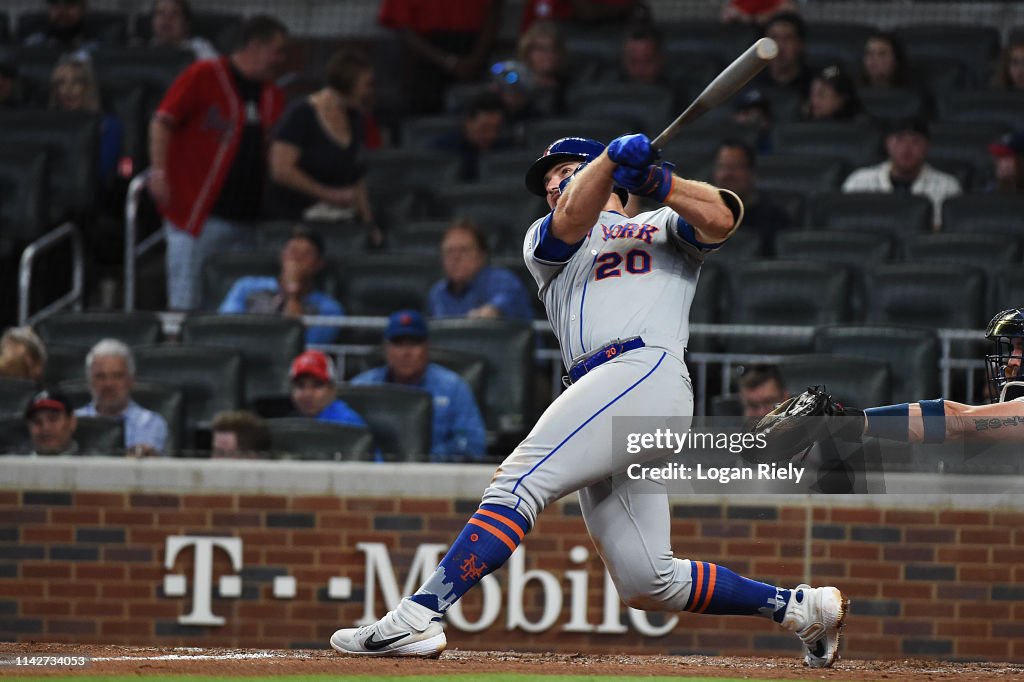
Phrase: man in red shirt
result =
(208, 142)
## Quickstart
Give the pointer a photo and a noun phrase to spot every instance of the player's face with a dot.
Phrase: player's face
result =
(311, 395)
(732, 171)
(407, 359)
(907, 151)
(110, 384)
(879, 61)
(642, 61)
(461, 257)
(553, 178)
(760, 400)
(51, 431)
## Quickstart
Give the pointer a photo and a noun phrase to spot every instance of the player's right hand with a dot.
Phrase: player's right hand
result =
(654, 180)
(633, 150)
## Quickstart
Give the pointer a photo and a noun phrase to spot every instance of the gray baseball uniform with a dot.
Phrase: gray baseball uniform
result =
(630, 277)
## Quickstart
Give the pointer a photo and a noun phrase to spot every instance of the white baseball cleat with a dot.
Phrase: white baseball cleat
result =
(390, 636)
(817, 615)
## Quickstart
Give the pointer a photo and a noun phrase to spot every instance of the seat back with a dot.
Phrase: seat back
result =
(647, 106)
(545, 131)
(888, 104)
(404, 169)
(836, 42)
(857, 145)
(997, 107)
(64, 363)
(856, 381)
(985, 214)
(708, 38)
(15, 395)
(507, 348)
(268, 343)
(210, 379)
(84, 330)
(927, 295)
(217, 27)
(800, 173)
(400, 418)
(974, 46)
(100, 436)
(14, 438)
(380, 285)
(308, 439)
(222, 270)
(23, 191)
(891, 214)
(979, 250)
(912, 354)
(110, 28)
(493, 206)
(701, 140)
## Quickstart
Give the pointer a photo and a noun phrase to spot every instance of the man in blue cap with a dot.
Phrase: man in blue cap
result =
(458, 428)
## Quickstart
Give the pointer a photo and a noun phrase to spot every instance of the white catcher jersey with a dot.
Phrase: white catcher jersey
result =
(630, 277)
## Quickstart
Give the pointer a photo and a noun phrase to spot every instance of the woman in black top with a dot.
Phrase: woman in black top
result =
(317, 157)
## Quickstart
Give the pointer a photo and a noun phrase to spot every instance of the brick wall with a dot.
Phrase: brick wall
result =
(88, 566)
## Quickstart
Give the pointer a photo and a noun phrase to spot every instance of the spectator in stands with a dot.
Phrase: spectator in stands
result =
(761, 389)
(23, 354)
(10, 88)
(510, 81)
(588, 12)
(458, 429)
(471, 287)
(65, 28)
(481, 131)
(293, 292)
(239, 434)
(884, 64)
(110, 371)
(172, 27)
(314, 390)
(542, 52)
(73, 87)
(832, 97)
(1010, 74)
(754, 110)
(51, 424)
(906, 170)
(754, 11)
(445, 42)
(317, 160)
(207, 153)
(789, 70)
(1008, 156)
(735, 169)
(643, 56)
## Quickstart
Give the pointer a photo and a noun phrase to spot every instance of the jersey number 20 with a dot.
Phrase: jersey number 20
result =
(637, 262)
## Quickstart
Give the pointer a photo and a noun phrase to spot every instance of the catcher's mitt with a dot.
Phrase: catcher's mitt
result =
(801, 421)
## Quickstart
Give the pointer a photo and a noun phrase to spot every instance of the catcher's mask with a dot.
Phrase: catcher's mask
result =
(1004, 364)
(560, 151)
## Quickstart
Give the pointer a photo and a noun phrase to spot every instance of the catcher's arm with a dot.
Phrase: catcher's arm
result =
(998, 421)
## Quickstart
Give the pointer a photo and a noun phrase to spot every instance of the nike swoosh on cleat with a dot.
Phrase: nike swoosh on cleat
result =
(372, 644)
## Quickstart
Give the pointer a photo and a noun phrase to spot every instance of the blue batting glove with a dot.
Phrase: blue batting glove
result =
(562, 185)
(634, 151)
(653, 181)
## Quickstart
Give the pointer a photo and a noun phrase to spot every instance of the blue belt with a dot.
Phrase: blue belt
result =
(609, 352)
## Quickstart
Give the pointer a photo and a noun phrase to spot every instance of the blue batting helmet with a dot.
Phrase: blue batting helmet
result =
(560, 151)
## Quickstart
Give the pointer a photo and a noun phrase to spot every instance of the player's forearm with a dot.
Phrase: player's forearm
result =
(703, 206)
(578, 209)
(945, 419)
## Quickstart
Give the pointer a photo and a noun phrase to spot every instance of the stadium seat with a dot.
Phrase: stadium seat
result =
(701, 140)
(209, 378)
(15, 395)
(100, 436)
(876, 212)
(856, 381)
(941, 75)
(985, 214)
(543, 132)
(406, 168)
(976, 249)
(64, 363)
(382, 284)
(400, 418)
(927, 295)
(217, 27)
(471, 368)
(974, 45)
(507, 347)
(966, 143)
(268, 344)
(23, 192)
(340, 239)
(840, 43)
(421, 132)
(14, 439)
(507, 166)
(725, 406)
(5, 27)
(743, 245)
(111, 28)
(222, 270)
(493, 206)
(785, 103)
(996, 107)
(702, 38)
(793, 203)
(891, 104)
(856, 144)
(1007, 285)
(596, 46)
(72, 141)
(308, 439)
(83, 330)
(912, 354)
(647, 108)
(779, 293)
(800, 173)
(707, 305)
(423, 237)
(166, 401)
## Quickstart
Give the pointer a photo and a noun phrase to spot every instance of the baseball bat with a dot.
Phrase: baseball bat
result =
(724, 86)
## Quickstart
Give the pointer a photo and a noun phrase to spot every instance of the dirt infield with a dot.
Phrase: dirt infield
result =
(165, 661)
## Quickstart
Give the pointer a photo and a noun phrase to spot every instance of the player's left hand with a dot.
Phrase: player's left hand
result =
(633, 150)
(655, 180)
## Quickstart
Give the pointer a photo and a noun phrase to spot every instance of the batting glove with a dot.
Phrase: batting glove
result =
(634, 151)
(564, 183)
(653, 181)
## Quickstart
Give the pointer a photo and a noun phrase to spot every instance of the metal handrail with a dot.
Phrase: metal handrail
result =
(67, 231)
(132, 250)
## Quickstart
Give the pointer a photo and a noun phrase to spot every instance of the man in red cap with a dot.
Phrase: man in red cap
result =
(1008, 156)
(314, 384)
(51, 424)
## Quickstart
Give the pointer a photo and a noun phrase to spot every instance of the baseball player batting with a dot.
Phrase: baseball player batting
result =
(617, 292)
(813, 417)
